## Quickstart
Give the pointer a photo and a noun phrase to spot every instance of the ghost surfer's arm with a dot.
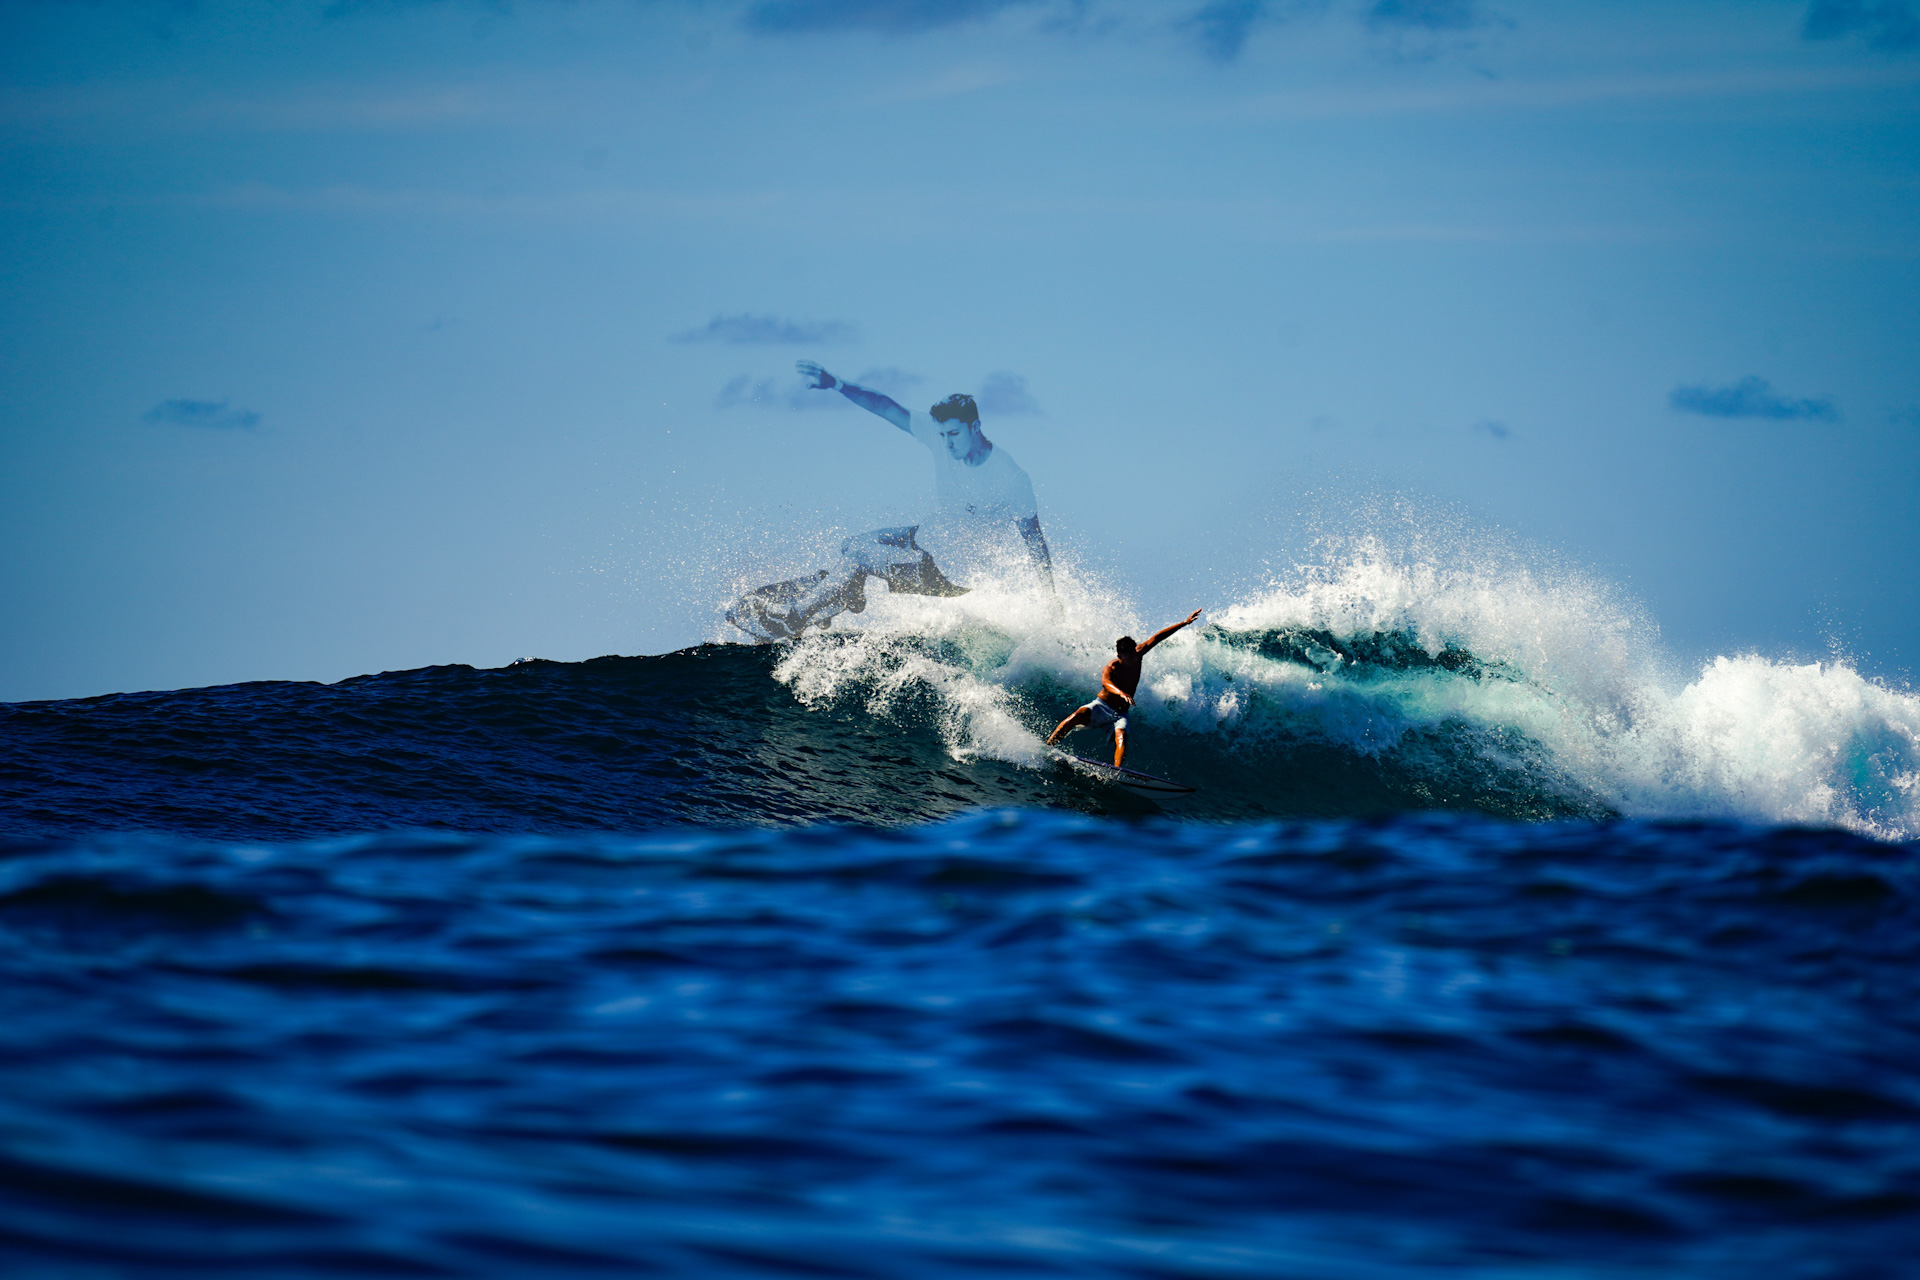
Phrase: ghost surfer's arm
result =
(1037, 549)
(872, 401)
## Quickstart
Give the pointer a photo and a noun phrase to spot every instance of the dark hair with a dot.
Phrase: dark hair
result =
(1125, 644)
(958, 405)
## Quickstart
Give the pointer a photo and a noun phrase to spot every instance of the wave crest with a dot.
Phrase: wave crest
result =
(1380, 678)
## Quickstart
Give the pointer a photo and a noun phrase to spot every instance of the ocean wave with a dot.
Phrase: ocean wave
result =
(1374, 681)
(1492, 684)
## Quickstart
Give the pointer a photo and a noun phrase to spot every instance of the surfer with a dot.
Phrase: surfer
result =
(1118, 679)
(979, 491)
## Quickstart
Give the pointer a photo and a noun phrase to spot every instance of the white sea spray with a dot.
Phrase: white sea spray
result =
(1462, 662)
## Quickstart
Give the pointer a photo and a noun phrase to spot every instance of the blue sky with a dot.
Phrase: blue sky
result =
(343, 337)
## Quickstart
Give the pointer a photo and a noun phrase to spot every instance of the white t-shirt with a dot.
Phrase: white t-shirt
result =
(977, 510)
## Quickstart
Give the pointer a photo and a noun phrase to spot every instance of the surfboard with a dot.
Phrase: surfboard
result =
(1127, 777)
(762, 613)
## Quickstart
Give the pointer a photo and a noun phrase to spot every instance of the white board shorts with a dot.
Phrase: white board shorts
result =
(1103, 715)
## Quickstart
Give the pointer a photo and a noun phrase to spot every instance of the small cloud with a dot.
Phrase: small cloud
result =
(1749, 398)
(1494, 427)
(894, 381)
(1885, 24)
(201, 413)
(749, 330)
(888, 17)
(1424, 15)
(767, 393)
(747, 391)
(1005, 394)
(1223, 26)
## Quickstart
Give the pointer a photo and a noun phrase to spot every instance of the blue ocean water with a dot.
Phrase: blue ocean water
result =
(1009, 1043)
(1490, 946)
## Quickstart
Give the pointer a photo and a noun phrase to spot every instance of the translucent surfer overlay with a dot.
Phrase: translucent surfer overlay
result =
(981, 498)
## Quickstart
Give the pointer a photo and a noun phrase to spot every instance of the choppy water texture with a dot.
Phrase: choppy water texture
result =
(1492, 945)
(1014, 1043)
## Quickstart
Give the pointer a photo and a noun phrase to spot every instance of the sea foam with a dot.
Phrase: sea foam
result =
(1465, 671)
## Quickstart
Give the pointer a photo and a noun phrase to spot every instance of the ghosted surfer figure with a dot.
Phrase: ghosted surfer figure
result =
(1118, 679)
(979, 492)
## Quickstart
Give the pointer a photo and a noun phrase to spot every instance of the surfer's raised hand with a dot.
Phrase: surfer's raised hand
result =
(1164, 632)
(820, 378)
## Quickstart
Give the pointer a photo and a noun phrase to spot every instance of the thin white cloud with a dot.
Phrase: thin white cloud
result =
(166, 106)
(602, 203)
(905, 212)
(790, 392)
(767, 330)
(1485, 94)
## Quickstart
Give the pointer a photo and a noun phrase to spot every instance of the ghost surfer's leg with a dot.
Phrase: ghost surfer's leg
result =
(841, 587)
(885, 553)
(895, 555)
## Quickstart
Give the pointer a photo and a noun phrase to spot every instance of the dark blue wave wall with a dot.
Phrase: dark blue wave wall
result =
(706, 735)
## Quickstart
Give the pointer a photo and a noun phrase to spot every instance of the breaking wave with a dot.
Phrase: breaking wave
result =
(1380, 678)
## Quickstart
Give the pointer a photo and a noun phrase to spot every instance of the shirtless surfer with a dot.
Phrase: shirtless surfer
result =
(979, 492)
(1118, 680)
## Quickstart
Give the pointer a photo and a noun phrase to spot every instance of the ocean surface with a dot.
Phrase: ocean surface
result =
(1494, 943)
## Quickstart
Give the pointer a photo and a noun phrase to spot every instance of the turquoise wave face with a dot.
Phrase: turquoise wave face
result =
(1259, 735)
(1374, 683)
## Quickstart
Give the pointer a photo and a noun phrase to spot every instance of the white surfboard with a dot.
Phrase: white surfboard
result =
(1127, 777)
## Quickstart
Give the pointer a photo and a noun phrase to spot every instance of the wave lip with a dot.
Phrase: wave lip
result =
(1381, 680)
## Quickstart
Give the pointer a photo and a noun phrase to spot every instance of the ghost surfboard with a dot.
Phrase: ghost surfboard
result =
(1126, 777)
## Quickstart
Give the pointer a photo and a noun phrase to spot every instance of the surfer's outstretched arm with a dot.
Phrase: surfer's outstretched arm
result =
(1164, 632)
(872, 401)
